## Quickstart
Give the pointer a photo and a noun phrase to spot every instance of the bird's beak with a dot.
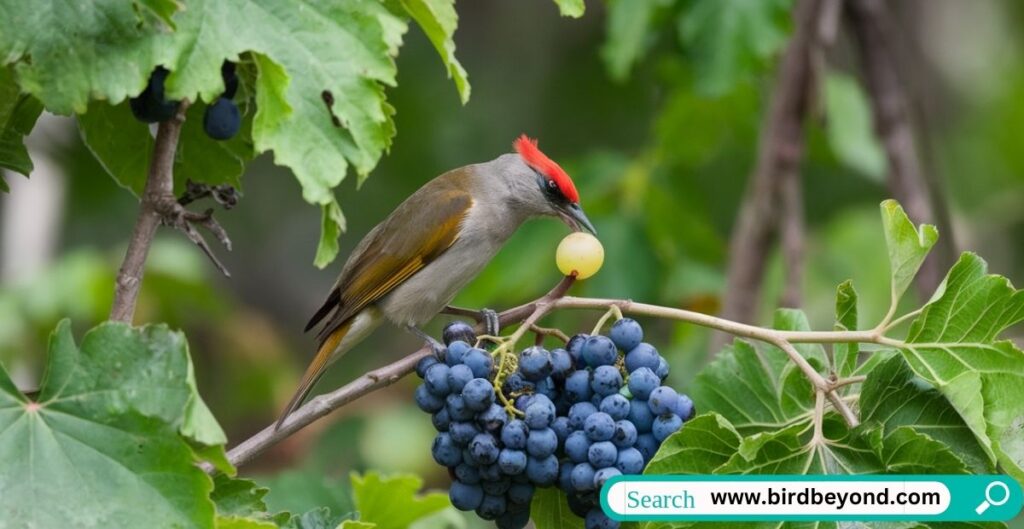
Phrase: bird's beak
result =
(577, 219)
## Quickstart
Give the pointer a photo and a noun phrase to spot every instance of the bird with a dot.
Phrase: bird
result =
(409, 267)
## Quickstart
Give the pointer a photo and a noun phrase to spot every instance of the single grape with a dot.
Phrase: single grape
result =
(496, 487)
(467, 474)
(576, 446)
(607, 380)
(222, 119)
(523, 402)
(666, 425)
(643, 355)
(599, 426)
(478, 394)
(230, 78)
(541, 442)
(603, 475)
(561, 428)
(491, 507)
(440, 420)
(577, 386)
(513, 435)
(579, 506)
(455, 351)
(445, 451)
(520, 493)
(542, 472)
(484, 448)
(465, 497)
(648, 445)
(150, 106)
(492, 419)
(575, 348)
(684, 407)
(540, 413)
(479, 361)
(662, 400)
(582, 477)
(662, 370)
(535, 363)
(565, 477)
(427, 401)
(491, 472)
(463, 432)
(579, 254)
(515, 383)
(602, 454)
(625, 434)
(513, 520)
(512, 461)
(626, 334)
(578, 414)
(596, 519)
(458, 330)
(457, 410)
(458, 376)
(423, 364)
(547, 388)
(630, 461)
(436, 380)
(642, 382)
(562, 364)
(616, 406)
(640, 415)
(599, 351)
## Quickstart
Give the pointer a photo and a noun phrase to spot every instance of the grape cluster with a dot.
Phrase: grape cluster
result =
(566, 417)
(221, 120)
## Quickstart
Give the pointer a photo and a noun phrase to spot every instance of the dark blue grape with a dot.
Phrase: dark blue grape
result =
(423, 364)
(561, 428)
(626, 334)
(599, 426)
(541, 442)
(491, 472)
(582, 477)
(496, 487)
(465, 497)
(575, 348)
(484, 449)
(562, 364)
(455, 351)
(535, 363)
(513, 435)
(648, 445)
(150, 106)
(596, 519)
(491, 507)
(513, 520)
(607, 380)
(683, 408)
(578, 505)
(478, 394)
(440, 420)
(666, 425)
(579, 412)
(463, 432)
(662, 370)
(542, 472)
(458, 376)
(427, 401)
(602, 454)
(547, 388)
(643, 355)
(642, 382)
(512, 461)
(222, 119)
(458, 330)
(521, 493)
(599, 351)
(640, 415)
(445, 451)
(492, 419)
(457, 410)
(436, 380)
(625, 434)
(603, 475)
(565, 477)
(523, 402)
(576, 446)
(663, 400)
(540, 413)
(630, 461)
(616, 406)
(577, 386)
(467, 474)
(479, 361)
(515, 383)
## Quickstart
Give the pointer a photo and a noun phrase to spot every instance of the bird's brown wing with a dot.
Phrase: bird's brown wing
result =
(416, 233)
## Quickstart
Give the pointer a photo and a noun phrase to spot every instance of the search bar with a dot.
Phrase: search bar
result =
(816, 497)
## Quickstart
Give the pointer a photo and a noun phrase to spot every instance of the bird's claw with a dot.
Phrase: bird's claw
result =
(437, 347)
(492, 324)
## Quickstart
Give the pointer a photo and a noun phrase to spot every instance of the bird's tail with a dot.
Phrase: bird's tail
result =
(315, 370)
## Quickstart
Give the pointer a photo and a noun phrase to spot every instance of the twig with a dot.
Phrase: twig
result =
(541, 332)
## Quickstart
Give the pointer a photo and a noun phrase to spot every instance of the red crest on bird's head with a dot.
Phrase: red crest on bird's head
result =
(527, 148)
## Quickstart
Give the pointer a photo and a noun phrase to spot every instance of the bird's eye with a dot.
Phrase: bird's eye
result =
(552, 184)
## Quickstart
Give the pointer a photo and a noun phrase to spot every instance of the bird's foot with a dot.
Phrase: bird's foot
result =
(437, 347)
(492, 324)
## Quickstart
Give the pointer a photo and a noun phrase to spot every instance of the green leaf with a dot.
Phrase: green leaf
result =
(849, 128)
(86, 439)
(238, 522)
(393, 502)
(571, 8)
(355, 524)
(628, 26)
(332, 224)
(200, 158)
(731, 39)
(703, 444)
(550, 510)
(238, 497)
(952, 344)
(18, 115)
(908, 246)
(439, 20)
(894, 397)
(845, 354)
(121, 144)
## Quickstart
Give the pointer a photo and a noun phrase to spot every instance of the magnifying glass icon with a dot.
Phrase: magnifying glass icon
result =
(989, 502)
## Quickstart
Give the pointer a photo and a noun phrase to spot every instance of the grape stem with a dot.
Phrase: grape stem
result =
(529, 314)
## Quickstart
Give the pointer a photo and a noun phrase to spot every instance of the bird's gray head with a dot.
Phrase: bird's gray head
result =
(538, 186)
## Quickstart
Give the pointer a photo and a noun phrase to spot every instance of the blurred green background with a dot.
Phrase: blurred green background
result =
(661, 151)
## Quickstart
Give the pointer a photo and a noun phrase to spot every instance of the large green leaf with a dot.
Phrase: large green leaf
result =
(18, 114)
(699, 447)
(119, 142)
(953, 345)
(908, 246)
(550, 510)
(100, 445)
(438, 20)
(845, 354)
(394, 502)
(849, 128)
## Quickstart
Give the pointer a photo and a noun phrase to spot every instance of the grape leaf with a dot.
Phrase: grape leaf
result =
(119, 142)
(18, 114)
(953, 345)
(238, 497)
(730, 39)
(628, 26)
(438, 20)
(86, 451)
(550, 510)
(332, 223)
(238, 522)
(845, 354)
(393, 502)
(570, 8)
(907, 244)
(849, 128)
(703, 444)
